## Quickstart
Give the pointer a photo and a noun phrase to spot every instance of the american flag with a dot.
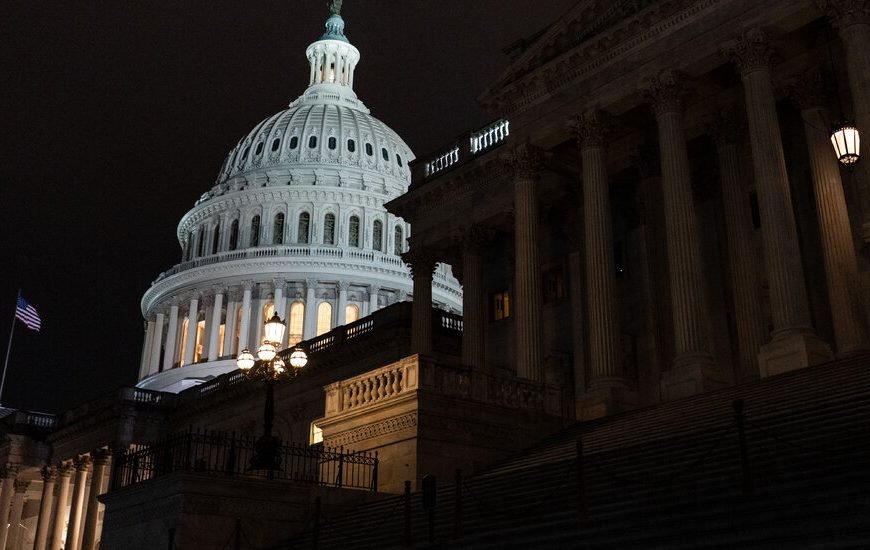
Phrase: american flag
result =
(27, 314)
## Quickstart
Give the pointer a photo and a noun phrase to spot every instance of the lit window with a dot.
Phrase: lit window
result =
(304, 222)
(181, 338)
(275, 144)
(501, 304)
(353, 232)
(384, 153)
(237, 330)
(312, 142)
(278, 229)
(316, 434)
(294, 142)
(200, 339)
(324, 318)
(554, 285)
(234, 235)
(255, 231)
(378, 235)
(332, 143)
(398, 241)
(268, 311)
(351, 145)
(369, 150)
(215, 238)
(351, 313)
(259, 148)
(297, 321)
(329, 229)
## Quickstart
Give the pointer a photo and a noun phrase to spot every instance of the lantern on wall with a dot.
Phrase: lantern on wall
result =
(846, 140)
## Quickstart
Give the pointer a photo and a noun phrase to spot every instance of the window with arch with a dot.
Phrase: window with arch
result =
(234, 235)
(268, 311)
(215, 238)
(312, 142)
(275, 144)
(378, 235)
(324, 318)
(259, 148)
(398, 241)
(296, 323)
(351, 313)
(245, 154)
(399, 159)
(278, 229)
(294, 142)
(200, 249)
(198, 353)
(237, 330)
(384, 153)
(351, 146)
(329, 229)
(353, 232)
(369, 150)
(304, 226)
(332, 143)
(255, 231)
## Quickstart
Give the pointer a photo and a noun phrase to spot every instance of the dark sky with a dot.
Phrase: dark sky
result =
(116, 117)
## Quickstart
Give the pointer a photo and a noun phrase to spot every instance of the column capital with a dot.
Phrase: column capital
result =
(207, 300)
(342, 286)
(194, 295)
(727, 128)
(219, 289)
(234, 293)
(82, 463)
(9, 471)
(49, 474)
(525, 160)
(65, 469)
(101, 456)
(420, 261)
(247, 285)
(374, 289)
(808, 90)
(749, 52)
(591, 128)
(310, 284)
(665, 92)
(21, 485)
(845, 13)
(279, 284)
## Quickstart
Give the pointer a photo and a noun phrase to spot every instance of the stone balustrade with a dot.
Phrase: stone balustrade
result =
(462, 150)
(374, 387)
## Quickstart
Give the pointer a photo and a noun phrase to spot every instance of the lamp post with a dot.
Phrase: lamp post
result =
(269, 368)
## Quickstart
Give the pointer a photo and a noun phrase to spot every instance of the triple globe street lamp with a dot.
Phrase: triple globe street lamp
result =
(269, 368)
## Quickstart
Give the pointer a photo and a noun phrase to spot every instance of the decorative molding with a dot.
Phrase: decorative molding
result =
(371, 431)
(591, 129)
(21, 485)
(49, 474)
(750, 52)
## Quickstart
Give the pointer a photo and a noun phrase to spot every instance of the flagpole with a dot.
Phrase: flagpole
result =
(9, 346)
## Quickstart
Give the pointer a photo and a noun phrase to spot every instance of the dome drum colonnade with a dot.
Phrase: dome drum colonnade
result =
(295, 224)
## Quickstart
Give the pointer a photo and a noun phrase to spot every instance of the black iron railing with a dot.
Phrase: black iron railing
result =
(230, 454)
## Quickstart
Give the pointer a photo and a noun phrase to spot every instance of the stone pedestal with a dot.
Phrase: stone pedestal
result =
(794, 351)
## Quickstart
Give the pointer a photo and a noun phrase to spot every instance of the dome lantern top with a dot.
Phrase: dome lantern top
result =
(333, 58)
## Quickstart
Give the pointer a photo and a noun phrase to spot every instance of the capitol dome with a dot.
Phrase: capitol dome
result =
(294, 225)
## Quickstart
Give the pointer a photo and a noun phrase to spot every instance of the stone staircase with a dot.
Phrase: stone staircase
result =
(667, 477)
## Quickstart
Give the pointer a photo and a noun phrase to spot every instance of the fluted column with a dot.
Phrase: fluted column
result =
(422, 264)
(101, 459)
(280, 301)
(526, 162)
(64, 472)
(16, 531)
(245, 324)
(310, 326)
(190, 337)
(342, 303)
(46, 505)
(727, 132)
(171, 336)
(8, 476)
(214, 348)
(156, 343)
(605, 357)
(693, 370)
(852, 20)
(841, 265)
(230, 330)
(77, 507)
(474, 239)
(145, 366)
(373, 298)
(794, 343)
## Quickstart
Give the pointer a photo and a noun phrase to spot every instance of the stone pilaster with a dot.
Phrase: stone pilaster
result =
(16, 530)
(101, 458)
(422, 264)
(46, 505)
(841, 265)
(794, 343)
(474, 240)
(171, 336)
(64, 472)
(728, 134)
(77, 508)
(693, 370)
(526, 161)
(608, 388)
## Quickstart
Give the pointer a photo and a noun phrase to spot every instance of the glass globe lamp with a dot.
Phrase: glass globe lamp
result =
(245, 361)
(266, 352)
(298, 358)
(274, 330)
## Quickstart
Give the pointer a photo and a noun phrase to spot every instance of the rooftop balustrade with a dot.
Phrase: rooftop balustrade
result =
(465, 148)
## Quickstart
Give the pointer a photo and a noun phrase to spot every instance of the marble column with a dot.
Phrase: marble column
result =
(8, 477)
(64, 473)
(214, 336)
(693, 370)
(171, 337)
(852, 20)
(280, 301)
(145, 367)
(190, 337)
(156, 343)
(474, 240)
(342, 304)
(422, 264)
(309, 329)
(230, 330)
(46, 505)
(245, 323)
(608, 387)
(728, 134)
(793, 344)
(841, 265)
(77, 508)
(90, 537)
(373, 298)
(16, 530)
(526, 161)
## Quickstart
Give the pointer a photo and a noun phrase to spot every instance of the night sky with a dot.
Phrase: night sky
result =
(116, 117)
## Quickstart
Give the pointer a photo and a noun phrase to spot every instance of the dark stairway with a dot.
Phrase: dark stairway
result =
(667, 477)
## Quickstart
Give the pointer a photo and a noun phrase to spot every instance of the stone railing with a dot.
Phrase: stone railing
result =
(461, 151)
(42, 421)
(377, 386)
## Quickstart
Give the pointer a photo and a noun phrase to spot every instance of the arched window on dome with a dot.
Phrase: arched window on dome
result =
(378, 235)
(200, 249)
(324, 318)
(351, 146)
(259, 149)
(304, 223)
(312, 142)
(353, 232)
(351, 313)
(215, 238)
(296, 323)
(332, 143)
(234, 235)
(329, 229)
(294, 142)
(278, 229)
(369, 149)
(385, 153)
(275, 144)
(244, 155)
(399, 159)
(255, 231)
(398, 241)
